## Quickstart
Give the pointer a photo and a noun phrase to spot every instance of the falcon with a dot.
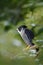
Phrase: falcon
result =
(27, 35)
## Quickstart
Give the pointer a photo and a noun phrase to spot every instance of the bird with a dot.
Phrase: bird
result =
(27, 35)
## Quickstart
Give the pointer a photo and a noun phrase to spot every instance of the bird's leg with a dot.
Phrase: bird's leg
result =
(33, 47)
(30, 47)
(27, 47)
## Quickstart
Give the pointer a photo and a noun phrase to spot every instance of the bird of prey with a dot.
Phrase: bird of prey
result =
(27, 35)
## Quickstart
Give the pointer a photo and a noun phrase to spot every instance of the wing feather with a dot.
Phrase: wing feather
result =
(29, 33)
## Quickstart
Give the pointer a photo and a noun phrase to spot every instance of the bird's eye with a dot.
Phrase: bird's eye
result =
(19, 29)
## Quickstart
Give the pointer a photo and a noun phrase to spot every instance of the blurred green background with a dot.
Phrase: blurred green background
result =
(14, 13)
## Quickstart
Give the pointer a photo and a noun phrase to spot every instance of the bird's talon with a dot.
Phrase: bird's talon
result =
(27, 48)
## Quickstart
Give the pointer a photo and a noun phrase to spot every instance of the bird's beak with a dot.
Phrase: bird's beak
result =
(17, 29)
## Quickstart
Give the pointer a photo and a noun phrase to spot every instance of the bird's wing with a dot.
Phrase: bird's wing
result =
(29, 33)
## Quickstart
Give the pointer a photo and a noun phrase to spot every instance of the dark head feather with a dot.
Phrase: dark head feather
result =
(22, 26)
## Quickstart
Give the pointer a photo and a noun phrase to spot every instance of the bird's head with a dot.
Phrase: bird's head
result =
(21, 28)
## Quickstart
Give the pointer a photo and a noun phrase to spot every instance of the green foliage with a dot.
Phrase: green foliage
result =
(20, 12)
(15, 10)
